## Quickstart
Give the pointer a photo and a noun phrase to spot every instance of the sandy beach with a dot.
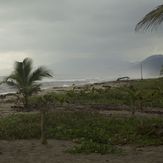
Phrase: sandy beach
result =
(30, 151)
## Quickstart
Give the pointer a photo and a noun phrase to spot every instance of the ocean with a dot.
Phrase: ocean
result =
(46, 84)
(60, 81)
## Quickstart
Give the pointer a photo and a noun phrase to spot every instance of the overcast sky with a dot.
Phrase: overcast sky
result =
(67, 35)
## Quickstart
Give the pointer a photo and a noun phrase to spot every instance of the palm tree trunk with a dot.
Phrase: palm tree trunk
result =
(43, 127)
(26, 102)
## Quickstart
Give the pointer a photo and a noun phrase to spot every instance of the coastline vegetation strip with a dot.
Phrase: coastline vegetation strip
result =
(91, 132)
(141, 93)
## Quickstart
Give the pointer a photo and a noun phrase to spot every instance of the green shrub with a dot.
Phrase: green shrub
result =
(93, 132)
(89, 146)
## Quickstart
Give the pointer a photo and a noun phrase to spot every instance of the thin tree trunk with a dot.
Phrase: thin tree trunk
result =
(132, 105)
(133, 110)
(43, 127)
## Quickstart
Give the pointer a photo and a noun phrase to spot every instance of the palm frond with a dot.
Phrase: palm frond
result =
(18, 72)
(35, 88)
(151, 20)
(39, 73)
(27, 67)
(29, 90)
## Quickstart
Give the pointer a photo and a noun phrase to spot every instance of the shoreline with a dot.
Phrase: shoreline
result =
(104, 83)
(111, 83)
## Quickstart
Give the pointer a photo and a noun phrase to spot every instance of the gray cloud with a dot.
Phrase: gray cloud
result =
(61, 32)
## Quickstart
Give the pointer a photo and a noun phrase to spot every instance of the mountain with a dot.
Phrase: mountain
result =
(151, 66)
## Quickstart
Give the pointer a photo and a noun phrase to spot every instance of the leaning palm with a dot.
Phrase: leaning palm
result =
(152, 19)
(25, 80)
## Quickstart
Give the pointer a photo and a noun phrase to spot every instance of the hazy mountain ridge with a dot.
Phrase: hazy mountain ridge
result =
(151, 66)
(153, 63)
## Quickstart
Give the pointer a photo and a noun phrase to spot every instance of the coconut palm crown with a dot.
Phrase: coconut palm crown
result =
(151, 20)
(25, 79)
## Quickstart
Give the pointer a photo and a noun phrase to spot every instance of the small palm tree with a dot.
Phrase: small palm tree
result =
(152, 19)
(25, 80)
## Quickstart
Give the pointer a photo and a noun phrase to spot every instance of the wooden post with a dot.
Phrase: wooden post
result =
(43, 127)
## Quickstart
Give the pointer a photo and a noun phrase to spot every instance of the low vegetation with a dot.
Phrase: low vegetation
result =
(91, 132)
(135, 94)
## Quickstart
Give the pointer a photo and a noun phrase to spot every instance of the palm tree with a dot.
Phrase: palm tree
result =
(151, 20)
(25, 80)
